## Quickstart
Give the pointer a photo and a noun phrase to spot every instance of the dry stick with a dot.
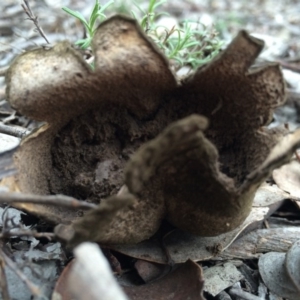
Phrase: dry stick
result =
(56, 200)
(3, 281)
(34, 19)
(240, 294)
(23, 232)
(10, 118)
(20, 45)
(289, 66)
(35, 291)
(16, 131)
(7, 231)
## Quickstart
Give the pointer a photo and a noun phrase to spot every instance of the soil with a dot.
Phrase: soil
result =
(94, 149)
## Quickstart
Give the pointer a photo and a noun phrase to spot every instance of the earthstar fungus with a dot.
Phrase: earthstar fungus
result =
(195, 150)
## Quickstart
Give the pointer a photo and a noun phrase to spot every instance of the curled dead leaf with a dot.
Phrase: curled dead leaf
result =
(186, 282)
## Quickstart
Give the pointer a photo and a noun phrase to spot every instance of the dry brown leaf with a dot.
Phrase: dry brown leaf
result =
(288, 178)
(149, 271)
(269, 195)
(186, 282)
(61, 290)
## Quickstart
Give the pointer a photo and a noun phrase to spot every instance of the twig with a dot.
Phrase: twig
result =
(23, 232)
(289, 66)
(10, 118)
(266, 223)
(20, 45)
(34, 19)
(16, 131)
(57, 200)
(240, 294)
(3, 281)
(168, 34)
(35, 291)
(9, 227)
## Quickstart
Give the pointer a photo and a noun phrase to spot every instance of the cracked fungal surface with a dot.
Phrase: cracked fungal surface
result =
(193, 152)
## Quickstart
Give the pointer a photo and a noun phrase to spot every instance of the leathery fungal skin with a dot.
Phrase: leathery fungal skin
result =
(191, 151)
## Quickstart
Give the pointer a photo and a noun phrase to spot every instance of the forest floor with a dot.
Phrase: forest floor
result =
(41, 261)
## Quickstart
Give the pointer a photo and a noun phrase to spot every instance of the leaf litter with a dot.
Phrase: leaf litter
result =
(50, 159)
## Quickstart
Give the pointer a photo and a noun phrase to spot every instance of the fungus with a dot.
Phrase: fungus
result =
(191, 151)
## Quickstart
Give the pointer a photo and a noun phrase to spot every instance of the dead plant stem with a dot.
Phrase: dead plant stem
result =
(23, 232)
(3, 281)
(19, 132)
(34, 19)
(55, 200)
(35, 291)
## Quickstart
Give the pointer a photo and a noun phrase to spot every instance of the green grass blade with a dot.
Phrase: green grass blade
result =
(105, 6)
(77, 15)
(94, 16)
